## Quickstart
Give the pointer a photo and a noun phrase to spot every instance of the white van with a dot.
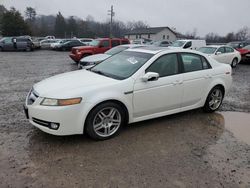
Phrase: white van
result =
(189, 44)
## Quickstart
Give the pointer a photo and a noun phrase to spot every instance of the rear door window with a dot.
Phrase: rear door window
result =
(115, 43)
(191, 62)
(229, 50)
(125, 42)
(105, 44)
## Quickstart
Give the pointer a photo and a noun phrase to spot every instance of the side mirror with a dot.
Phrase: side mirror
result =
(218, 53)
(101, 46)
(150, 76)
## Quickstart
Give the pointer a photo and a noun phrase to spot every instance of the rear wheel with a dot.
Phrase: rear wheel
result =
(105, 121)
(214, 99)
(1, 49)
(234, 63)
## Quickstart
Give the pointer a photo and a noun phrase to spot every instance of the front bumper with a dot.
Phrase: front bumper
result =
(76, 57)
(245, 57)
(70, 119)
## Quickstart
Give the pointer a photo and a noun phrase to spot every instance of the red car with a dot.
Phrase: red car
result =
(96, 47)
(245, 53)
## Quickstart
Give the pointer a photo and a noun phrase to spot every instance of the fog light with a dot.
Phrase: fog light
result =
(54, 126)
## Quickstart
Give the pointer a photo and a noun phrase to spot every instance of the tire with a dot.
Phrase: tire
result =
(234, 63)
(105, 121)
(214, 99)
(1, 49)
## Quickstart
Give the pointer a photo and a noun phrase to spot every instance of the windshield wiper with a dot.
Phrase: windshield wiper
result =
(99, 72)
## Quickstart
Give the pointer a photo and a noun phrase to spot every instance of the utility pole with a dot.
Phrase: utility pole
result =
(111, 13)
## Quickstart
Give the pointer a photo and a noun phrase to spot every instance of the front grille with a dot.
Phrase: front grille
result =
(32, 97)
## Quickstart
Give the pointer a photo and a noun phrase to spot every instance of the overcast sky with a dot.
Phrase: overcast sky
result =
(219, 16)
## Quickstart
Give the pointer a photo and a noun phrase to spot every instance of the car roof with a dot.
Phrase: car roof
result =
(155, 50)
(218, 46)
(133, 45)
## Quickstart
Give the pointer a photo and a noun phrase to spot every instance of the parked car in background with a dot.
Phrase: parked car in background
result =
(163, 43)
(223, 54)
(96, 47)
(141, 41)
(188, 44)
(57, 43)
(86, 40)
(92, 60)
(50, 37)
(131, 86)
(16, 44)
(46, 43)
(66, 46)
(245, 53)
(238, 44)
(36, 43)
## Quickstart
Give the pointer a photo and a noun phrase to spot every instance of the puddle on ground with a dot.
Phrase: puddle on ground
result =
(239, 124)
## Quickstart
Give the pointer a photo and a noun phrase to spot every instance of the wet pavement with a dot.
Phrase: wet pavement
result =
(190, 149)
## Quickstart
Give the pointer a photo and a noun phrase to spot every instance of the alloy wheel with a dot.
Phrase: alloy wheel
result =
(215, 99)
(107, 121)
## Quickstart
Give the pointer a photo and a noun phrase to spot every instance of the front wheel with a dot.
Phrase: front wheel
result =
(214, 99)
(234, 63)
(105, 121)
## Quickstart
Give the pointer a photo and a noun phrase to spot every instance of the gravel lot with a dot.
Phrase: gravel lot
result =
(190, 149)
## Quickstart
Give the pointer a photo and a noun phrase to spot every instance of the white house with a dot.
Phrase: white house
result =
(152, 33)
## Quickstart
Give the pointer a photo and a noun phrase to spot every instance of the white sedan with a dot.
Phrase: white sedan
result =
(132, 86)
(223, 54)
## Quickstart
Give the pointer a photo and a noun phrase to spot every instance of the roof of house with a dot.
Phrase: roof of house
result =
(150, 30)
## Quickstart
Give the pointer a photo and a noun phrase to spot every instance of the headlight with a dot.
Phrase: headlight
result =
(60, 102)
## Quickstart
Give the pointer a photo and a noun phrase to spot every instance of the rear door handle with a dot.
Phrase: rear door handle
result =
(208, 76)
(178, 82)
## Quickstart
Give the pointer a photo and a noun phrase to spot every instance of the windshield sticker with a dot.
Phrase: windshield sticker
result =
(132, 60)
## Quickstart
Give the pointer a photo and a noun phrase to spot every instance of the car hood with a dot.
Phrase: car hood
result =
(95, 58)
(65, 85)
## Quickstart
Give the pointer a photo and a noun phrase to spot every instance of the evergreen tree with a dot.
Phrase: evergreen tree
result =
(72, 27)
(60, 26)
(13, 24)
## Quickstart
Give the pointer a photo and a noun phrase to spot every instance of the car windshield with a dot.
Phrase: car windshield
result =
(94, 43)
(116, 50)
(247, 47)
(63, 41)
(178, 43)
(2, 39)
(207, 50)
(122, 65)
(234, 44)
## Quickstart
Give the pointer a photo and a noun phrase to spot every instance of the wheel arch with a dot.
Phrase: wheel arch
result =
(119, 102)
